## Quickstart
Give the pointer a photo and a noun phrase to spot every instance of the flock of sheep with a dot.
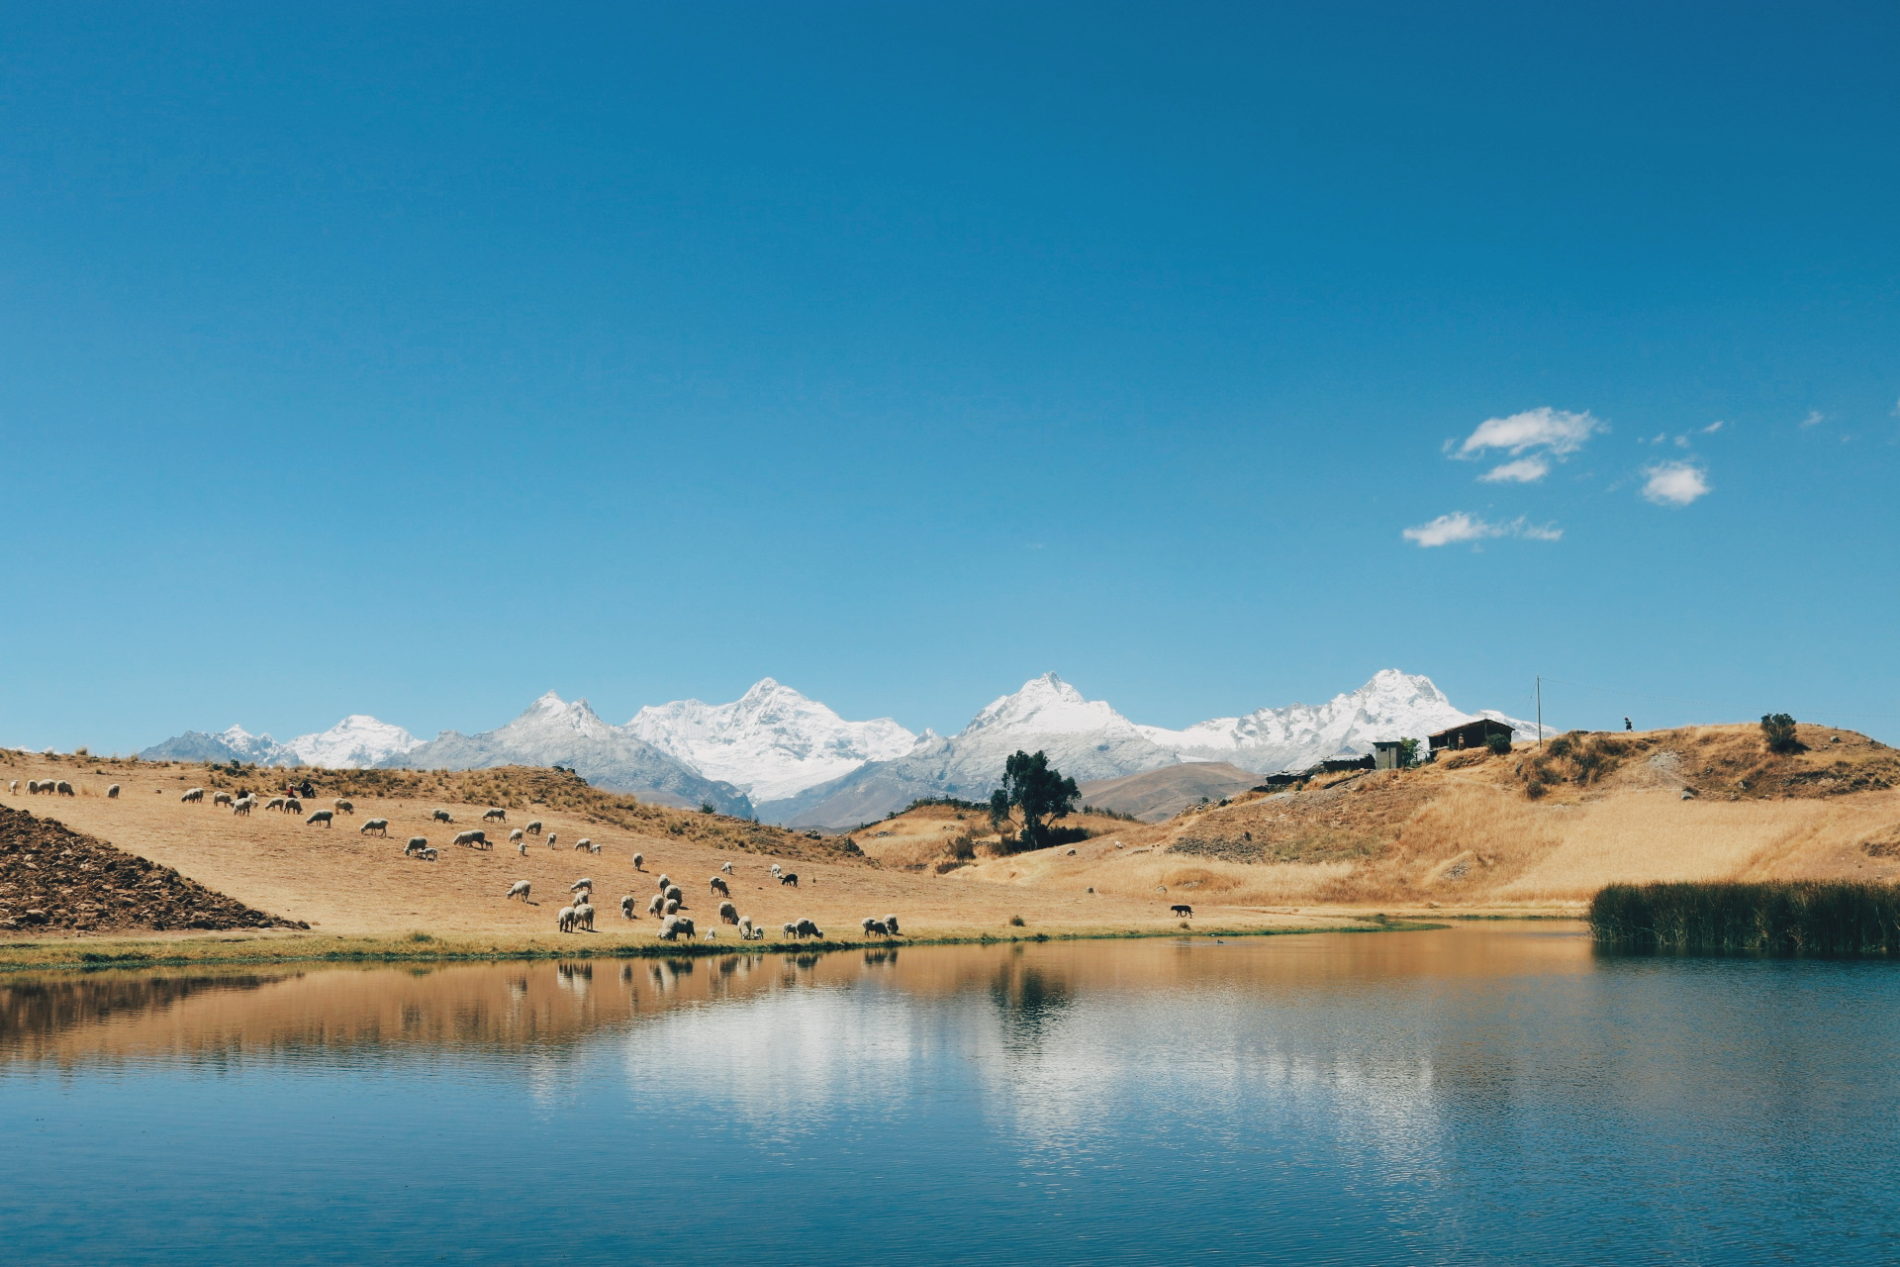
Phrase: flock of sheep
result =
(578, 915)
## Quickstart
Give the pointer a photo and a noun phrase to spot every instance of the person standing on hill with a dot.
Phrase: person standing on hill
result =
(1626, 724)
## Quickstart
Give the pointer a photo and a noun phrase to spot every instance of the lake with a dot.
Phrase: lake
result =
(1486, 1094)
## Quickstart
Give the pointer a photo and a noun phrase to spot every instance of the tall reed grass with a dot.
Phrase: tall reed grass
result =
(1788, 917)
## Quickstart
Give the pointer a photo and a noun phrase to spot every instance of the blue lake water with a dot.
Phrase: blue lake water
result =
(1479, 1095)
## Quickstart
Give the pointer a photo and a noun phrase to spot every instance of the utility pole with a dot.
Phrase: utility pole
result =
(1540, 711)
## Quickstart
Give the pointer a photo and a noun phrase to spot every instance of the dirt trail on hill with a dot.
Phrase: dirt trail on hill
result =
(53, 878)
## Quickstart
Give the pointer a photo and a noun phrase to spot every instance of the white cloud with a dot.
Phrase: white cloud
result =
(1814, 419)
(1712, 428)
(1675, 483)
(1522, 471)
(1458, 527)
(1555, 431)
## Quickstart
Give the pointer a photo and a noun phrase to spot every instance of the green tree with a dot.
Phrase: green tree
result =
(1778, 729)
(1408, 753)
(1037, 791)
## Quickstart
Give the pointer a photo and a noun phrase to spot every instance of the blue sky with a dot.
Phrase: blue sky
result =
(415, 359)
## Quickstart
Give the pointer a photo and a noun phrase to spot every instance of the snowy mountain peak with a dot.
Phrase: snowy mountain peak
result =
(1048, 705)
(772, 741)
(356, 742)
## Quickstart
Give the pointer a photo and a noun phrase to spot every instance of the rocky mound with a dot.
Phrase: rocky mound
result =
(52, 878)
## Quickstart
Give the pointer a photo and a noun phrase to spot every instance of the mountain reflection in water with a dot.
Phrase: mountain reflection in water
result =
(1479, 1094)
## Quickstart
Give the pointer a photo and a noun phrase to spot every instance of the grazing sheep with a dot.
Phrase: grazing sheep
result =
(192, 796)
(292, 805)
(874, 927)
(673, 894)
(890, 922)
(520, 889)
(805, 928)
(718, 886)
(677, 926)
(32, 786)
(582, 883)
(726, 867)
(588, 845)
(112, 793)
(441, 816)
(552, 837)
(1182, 909)
(565, 920)
(745, 928)
(244, 805)
(275, 802)
(789, 878)
(473, 839)
(533, 828)
(664, 883)
(325, 816)
(776, 868)
(639, 862)
(712, 934)
(671, 907)
(415, 846)
(494, 814)
(655, 906)
(584, 915)
(342, 806)
(65, 789)
(222, 798)
(728, 913)
(13, 788)
(427, 855)
(515, 837)
(374, 827)
(626, 907)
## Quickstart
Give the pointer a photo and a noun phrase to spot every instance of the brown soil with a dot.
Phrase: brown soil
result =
(53, 878)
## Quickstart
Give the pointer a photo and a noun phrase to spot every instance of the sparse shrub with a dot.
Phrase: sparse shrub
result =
(1535, 790)
(963, 847)
(1015, 921)
(1778, 730)
(1498, 744)
(1560, 746)
(706, 807)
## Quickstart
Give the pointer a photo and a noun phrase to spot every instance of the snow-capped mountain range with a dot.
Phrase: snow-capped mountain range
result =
(788, 758)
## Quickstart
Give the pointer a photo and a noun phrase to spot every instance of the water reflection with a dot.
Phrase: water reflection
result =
(1475, 1094)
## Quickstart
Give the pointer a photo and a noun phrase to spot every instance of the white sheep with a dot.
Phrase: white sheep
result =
(552, 837)
(275, 802)
(221, 798)
(192, 796)
(582, 883)
(533, 828)
(726, 867)
(374, 827)
(874, 927)
(584, 915)
(515, 837)
(671, 908)
(325, 816)
(890, 922)
(673, 894)
(565, 920)
(655, 907)
(415, 846)
(712, 934)
(676, 926)
(112, 793)
(428, 854)
(243, 806)
(292, 805)
(745, 928)
(520, 889)
(805, 928)
(13, 788)
(626, 907)
(776, 868)
(584, 843)
(342, 806)
(473, 839)
(639, 862)
(521, 847)
(664, 883)
(791, 930)
(64, 788)
(441, 816)
(728, 913)
(717, 885)
(495, 815)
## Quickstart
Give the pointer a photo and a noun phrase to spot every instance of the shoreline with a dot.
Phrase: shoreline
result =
(73, 955)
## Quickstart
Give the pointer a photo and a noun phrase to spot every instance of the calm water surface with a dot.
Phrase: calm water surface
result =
(1479, 1095)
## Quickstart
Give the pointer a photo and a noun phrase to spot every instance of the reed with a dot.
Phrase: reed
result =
(1785, 917)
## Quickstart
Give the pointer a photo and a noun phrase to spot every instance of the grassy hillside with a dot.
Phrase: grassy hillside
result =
(1533, 827)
